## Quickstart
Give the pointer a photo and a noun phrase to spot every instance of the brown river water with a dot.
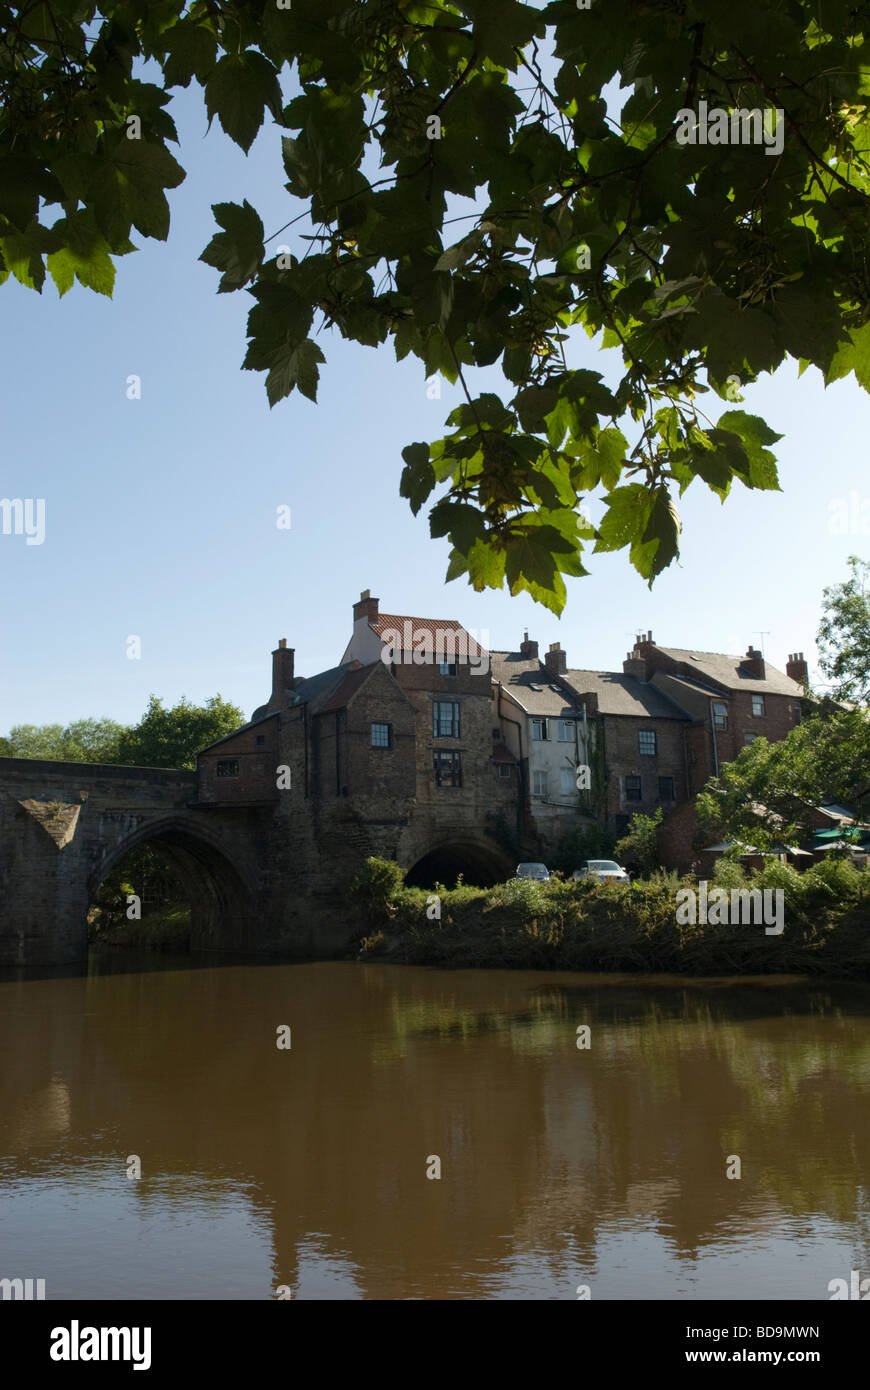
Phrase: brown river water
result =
(561, 1168)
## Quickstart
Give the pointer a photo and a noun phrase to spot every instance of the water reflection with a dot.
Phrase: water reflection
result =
(307, 1167)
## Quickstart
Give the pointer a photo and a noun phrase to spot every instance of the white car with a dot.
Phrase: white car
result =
(539, 871)
(602, 871)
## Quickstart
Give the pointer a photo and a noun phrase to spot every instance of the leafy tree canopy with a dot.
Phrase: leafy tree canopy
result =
(703, 263)
(844, 634)
(162, 738)
(84, 741)
(173, 737)
(764, 796)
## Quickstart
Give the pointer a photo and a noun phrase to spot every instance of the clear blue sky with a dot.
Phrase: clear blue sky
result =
(160, 513)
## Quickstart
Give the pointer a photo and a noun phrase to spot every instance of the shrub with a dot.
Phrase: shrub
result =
(376, 885)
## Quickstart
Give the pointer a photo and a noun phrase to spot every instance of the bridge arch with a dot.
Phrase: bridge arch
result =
(481, 863)
(219, 889)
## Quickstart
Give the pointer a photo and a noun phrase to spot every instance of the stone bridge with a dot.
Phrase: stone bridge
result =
(65, 826)
(259, 877)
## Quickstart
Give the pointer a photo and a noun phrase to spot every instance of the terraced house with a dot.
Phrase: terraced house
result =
(422, 746)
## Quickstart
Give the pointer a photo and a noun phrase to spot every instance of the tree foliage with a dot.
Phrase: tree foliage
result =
(844, 634)
(83, 741)
(162, 738)
(467, 192)
(765, 796)
(639, 846)
(173, 737)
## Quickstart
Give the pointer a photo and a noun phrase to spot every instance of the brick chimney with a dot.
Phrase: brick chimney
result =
(528, 649)
(753, 663)
(796, 668)
(282, 672)
(366, 608)
(555, 660)
(636, 661)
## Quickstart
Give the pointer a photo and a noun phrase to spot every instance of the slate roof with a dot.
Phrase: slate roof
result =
(621, 694)
(257, 718)
(617, 693)
(347, 688)
(316, 690)
(718, 669)
(520, 674)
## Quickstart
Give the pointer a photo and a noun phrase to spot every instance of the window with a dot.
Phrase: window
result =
(539, 730)
(646, 742)
(380, 736)
(539, 784)
(758, 707)
(798, 712)
(666, 789)
(447, 668)
(632, 789)
(228, 767)
(261, 739)
(749, 738)
(445, 719)
(504, 769)
(496, 733)
(567, 781)
(448, 769)
(720, 714)
(566, 731)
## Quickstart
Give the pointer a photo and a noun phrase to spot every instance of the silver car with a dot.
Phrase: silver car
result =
(602, 871)
(539, 871)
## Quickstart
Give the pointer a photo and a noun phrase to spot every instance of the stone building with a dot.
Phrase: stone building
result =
(423, 746)
(389, 753)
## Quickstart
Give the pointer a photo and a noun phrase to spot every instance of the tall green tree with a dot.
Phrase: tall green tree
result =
(844, 634)
(173, 737)
(460, 186)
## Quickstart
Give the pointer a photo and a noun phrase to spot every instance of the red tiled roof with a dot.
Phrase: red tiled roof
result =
(431, 627)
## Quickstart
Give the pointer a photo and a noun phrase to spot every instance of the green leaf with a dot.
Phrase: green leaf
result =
(192, 49)
(238, 250)
(462, 522)
(418, 475)
(240, 87)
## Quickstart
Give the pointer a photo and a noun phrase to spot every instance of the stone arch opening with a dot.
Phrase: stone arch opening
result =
(216, 892)
(479, 866)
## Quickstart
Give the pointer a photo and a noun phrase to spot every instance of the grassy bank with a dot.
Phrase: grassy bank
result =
(622, 927)
(164, 930)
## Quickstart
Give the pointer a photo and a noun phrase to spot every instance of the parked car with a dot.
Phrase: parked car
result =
(539, 871)
(602, 871)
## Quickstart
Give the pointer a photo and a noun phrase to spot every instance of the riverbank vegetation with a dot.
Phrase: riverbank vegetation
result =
(524, 924)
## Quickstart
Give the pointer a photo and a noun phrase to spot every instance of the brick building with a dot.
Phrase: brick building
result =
(391, 752)
(422, 746)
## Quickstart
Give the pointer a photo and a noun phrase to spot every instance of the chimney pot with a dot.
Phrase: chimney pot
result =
(556, 661)
(528, 649)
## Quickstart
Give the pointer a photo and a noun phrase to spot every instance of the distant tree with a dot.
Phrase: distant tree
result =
(173, 737)
(83, 741)
(844, 634)
(639, 847)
